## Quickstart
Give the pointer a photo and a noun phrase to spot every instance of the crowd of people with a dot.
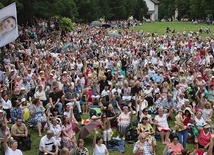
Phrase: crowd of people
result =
(49, 78)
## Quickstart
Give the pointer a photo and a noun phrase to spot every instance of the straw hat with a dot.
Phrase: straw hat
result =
(206, 126)
(189, 109)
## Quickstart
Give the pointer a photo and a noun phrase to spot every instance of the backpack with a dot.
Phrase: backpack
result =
(77, 114)
(26, 145)
(92, 112)
(131, 135)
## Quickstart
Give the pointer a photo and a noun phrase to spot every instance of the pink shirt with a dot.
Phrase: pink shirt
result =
(124, 118)
(176, 148)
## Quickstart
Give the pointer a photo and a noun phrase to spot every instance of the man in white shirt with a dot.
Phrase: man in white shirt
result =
(48, 144)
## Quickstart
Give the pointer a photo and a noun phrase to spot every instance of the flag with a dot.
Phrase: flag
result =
(8, 24)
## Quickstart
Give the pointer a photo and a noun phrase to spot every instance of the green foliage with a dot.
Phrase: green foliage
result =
(66, 24)
(194, 9)
(79, 10)
(140, 9)
(166, 9)
(87, 11)
(1, 5)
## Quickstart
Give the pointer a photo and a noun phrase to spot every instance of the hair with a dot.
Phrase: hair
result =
(144, 110)
(64, 150)
(80, 141)
(140, 136)
(104, 113)
(12, 142)
(35, 101)
(144, 118)
(175, 136)
(98, 138)
(18, 118)
(185, 152)
(63, 120)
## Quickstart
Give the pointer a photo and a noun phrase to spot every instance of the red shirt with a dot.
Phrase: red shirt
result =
(203, 138)
(186, 121)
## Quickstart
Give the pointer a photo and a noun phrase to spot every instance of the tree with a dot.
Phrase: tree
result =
(105, 9)
(66, 24)
(166, 9)
(183, 7)
(118, 9)
(140, 10)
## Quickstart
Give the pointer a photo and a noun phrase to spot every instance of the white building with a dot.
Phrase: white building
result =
(152, 13)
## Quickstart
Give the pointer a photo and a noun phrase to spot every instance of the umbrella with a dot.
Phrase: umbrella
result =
(88, 129)
(106, 25)
(95, 23)
(114, 35)
(66, 46)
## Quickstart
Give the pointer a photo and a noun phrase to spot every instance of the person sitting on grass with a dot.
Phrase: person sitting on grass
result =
(19, 132)
(37, 115)
(204, 136)
(4, 130)
(196, 151)
(124, 121)
(15, 111)
(106, 128)
(175, 146)
(143, 144)
(48, 144)
(162, 124)
(12, 150)
(68, 135)
(147, 129)
(98, 147)
(80, 149)
(53, 125)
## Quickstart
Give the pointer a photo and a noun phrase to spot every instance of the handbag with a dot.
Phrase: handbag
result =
(75, 127)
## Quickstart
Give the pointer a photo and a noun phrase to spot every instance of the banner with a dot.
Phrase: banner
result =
(8, 24)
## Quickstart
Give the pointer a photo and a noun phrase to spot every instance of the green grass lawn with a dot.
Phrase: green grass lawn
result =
(160, 27)
(88, 142)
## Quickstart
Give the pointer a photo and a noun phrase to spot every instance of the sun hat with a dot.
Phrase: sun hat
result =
(22, 88)
(199, 75)
(189, 109)
(206, 126)
(23, 99)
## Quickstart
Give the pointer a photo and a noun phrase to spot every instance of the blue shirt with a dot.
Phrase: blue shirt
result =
(16, 113)
(158, 78)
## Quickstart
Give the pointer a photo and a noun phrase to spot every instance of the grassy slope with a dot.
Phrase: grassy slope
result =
(158, 27)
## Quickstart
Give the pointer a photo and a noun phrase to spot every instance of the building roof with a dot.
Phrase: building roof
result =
(155, 1)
